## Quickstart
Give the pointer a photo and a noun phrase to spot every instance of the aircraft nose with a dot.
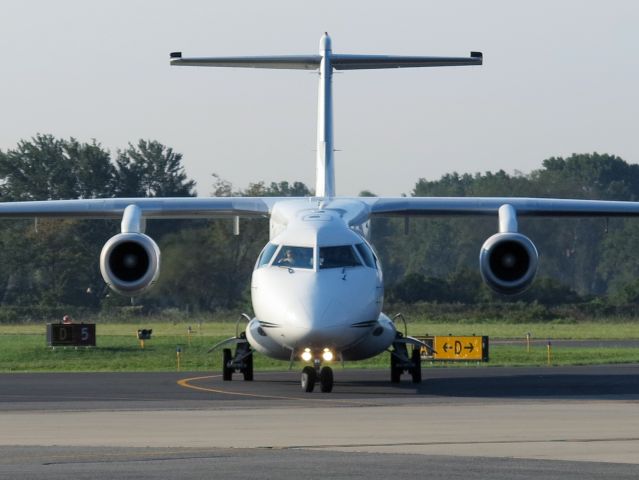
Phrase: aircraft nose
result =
(316, 310)
(324, 318)
(303, 322)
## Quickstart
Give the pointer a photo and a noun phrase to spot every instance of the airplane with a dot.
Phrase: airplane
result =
(317, 287)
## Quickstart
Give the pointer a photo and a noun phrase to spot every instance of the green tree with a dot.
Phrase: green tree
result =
(151, 169)
(48, 168)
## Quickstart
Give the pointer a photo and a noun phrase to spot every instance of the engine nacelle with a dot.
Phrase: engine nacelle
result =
(130, 263)
(508, 262)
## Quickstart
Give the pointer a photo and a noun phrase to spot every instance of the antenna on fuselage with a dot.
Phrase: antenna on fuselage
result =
(326, 62)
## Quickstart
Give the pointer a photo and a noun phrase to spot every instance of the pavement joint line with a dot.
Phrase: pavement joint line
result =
(186, 383)
(487, 442)
(435, 444)
(165, 454)
(184, 452)
(159, 458)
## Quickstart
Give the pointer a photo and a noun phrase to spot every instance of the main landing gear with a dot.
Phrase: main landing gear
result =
(310, 376)
(402, 362)
(241, 362)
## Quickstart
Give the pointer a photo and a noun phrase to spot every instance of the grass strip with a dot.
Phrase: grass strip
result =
(23, 348)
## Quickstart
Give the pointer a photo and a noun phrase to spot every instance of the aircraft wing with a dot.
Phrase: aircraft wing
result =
(215, 207)
(182, 207)
(541, 207)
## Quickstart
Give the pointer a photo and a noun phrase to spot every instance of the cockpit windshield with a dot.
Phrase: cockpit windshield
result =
(294, 257)
(366, 254)
(266, 255)
(338, 257)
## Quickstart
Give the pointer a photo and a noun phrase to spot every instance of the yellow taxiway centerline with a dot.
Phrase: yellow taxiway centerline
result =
(186, 383)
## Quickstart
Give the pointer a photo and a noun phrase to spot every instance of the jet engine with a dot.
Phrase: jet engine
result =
(130, 263)
(508, 262)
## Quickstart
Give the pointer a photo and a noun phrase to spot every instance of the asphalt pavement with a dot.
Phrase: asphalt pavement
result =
(475, 422)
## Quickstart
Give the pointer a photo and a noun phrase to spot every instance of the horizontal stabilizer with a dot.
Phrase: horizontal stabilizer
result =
(338, 62)
(293, 62)
(364, 62)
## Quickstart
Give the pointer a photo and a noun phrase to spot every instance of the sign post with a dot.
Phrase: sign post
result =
(144, 334)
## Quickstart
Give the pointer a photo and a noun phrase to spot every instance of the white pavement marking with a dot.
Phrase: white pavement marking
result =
(606, 431)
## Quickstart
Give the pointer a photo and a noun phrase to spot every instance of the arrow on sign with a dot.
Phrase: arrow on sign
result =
(447, 347)
(469, 347)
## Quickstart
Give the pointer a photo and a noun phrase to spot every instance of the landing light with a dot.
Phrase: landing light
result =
(307, 355)
(327, 355)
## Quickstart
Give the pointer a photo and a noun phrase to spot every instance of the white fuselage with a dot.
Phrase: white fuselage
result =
(318, 285)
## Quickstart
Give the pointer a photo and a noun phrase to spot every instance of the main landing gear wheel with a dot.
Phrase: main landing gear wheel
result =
(416, 369)
(326, 379)
(247, 371)
(227, 369)
(308, 379)
(396, 371)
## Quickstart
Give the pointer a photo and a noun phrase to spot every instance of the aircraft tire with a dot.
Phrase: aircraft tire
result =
(248, 369)
(308, 379)
(326, 379)
(227, 372)
(416, 370)
(396, 372)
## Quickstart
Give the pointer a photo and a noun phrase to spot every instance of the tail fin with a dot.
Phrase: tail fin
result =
(325, 62)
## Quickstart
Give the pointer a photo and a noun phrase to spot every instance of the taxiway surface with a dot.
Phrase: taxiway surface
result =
(573, 422)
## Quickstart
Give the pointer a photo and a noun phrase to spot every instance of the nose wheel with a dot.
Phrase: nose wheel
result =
(326, 379)
(310, 376)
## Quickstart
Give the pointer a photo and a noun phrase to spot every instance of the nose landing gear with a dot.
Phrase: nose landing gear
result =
(310, 376)
(402, 362)
(326, 379)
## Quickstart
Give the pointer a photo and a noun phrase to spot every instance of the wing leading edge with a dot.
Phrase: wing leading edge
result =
(541, 207)
(187, 207)
(550, 207)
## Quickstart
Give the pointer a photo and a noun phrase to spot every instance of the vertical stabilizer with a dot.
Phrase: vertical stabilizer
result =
(325, 165)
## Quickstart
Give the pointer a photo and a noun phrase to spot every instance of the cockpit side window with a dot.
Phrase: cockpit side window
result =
(294, 257)
(366, 254)
(266, 255)
(338, 257)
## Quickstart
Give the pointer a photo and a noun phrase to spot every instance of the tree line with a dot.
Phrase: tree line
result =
(54, 262)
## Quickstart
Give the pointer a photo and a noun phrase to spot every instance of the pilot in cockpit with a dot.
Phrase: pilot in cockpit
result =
(288, 260)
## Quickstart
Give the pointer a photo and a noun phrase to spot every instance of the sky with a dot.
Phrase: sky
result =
(559, 77)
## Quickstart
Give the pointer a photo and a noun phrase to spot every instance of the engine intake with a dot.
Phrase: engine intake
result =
(130, 263)
(508, 262)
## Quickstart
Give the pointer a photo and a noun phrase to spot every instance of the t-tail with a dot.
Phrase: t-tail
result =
(325, 63)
